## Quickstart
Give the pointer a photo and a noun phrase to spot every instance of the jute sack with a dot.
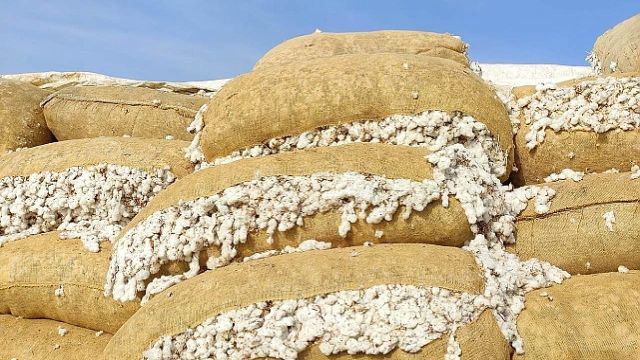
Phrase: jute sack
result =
(590, 317)
(22, 124)
(305, 275)
(278, 101)
(144, 154)
(573, 234)
(577, 149)
(93, 111)
(38, 339)
(435, 224)
(323, 45)
(618, 49)
(32, 269)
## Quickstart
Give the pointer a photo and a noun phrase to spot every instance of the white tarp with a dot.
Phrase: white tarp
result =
(59, 80)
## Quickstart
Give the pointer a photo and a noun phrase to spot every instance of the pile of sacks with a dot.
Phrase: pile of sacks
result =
(353, 195)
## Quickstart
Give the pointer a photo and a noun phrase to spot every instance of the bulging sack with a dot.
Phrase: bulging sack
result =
(339, 196)
(88, 188)
(22, 124)
(41, 339)
(323, 45)
(397, 99)
(420, 305)
(94, 111)
(586, 317)
(618, 49)
(43, 276)
(591, 226)
(588, 125)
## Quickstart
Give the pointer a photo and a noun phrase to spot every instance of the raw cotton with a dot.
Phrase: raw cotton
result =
(432, 129)
(564, 175)
(306, 245)
(599, 105)
(271, 203)
(92, 203)
(635, 172)
(371, 321)
(609, 219)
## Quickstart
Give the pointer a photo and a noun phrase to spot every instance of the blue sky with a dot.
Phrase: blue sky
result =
(198, 39)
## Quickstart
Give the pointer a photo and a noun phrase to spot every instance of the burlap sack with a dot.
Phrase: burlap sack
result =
(436, 224)
(287, 100)
(303, 275)
(323, 45)
(620, 45)
(38, 339)
(33, 268)
(591, 317)
(144, 154)
(93, 111)
(22, 124)
(592, 152)
(573, 234)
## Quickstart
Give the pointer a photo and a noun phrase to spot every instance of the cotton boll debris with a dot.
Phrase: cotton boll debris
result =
(432, 129)
(92, 203)
(193, 153)
(271, 203)
(609, 219)
(394, 316)
(564, 175)
(596, 64)
(62, 331)
(59, 292)
(599, 105)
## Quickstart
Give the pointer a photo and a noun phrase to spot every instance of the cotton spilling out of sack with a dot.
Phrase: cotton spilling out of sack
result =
(358, 305)
(587, 125)
(418, 101)
(84, 188)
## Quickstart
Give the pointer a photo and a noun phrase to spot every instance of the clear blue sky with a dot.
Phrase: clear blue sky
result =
(198, 39)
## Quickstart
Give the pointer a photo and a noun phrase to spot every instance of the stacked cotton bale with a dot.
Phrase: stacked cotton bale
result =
(343, 179)
(22, 124)
(587, 125)
(324, 45)
(425, 304)
(591, 226)
(93, 111)
(618, 49)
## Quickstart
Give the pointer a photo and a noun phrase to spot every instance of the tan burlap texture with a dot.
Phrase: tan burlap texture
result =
(92, 111)
(591, 317)
(287, 100)
(304, 275)
(436, 224)
(326, 44)
(38, 339)
(144, 154)
(32, 269)
(22, 124)
(621, 45)
(573, 234)
(592, 152)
